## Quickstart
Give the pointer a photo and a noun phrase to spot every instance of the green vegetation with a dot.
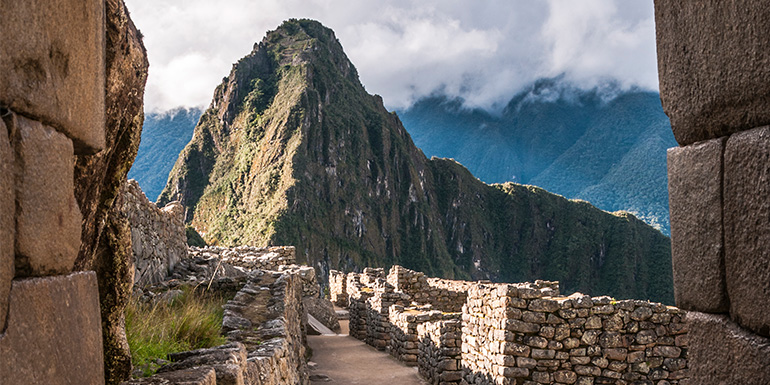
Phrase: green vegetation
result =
(310, 159)
(193, 238)
(190, 321)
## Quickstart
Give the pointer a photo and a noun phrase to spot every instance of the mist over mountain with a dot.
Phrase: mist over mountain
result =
(164, 135)
(293, 150)
(605, 146)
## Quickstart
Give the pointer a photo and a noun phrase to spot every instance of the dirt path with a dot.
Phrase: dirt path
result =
(341, 359)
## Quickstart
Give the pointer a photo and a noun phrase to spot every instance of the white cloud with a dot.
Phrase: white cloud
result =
(406, 49)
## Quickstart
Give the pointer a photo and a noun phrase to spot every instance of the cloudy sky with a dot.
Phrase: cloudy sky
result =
(482, 50)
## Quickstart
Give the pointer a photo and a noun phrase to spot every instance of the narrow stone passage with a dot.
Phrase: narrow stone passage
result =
(342, 359)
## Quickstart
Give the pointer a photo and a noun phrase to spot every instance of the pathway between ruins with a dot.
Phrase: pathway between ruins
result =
(342, 359)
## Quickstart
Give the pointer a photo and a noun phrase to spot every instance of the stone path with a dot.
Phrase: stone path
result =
(341, 359)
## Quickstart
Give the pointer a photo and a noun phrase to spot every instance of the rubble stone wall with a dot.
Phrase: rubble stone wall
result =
(265, 328)
(157, 235)
(524, 333)
(714, 71)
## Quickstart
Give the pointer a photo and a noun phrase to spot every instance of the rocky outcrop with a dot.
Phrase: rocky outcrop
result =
(158, 236)
(521, 333)
(712, 59)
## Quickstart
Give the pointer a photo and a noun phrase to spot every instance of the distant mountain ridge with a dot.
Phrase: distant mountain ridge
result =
(164, 135)
(604, 146)
(292, 150)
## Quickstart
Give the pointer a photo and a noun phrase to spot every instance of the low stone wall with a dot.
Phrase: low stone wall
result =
(444, 294)
(265, 326)
(522, 333)
(157, 235)
(250, 257)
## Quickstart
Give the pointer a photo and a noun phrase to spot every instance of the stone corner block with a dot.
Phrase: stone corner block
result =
(721, 352)
(747, 234)
(713, 66)
(7, 221)
(695, 203)
(54, 332)
(53, 65)
(48, 220)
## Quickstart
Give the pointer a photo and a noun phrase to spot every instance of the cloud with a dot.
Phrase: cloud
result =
(483, 52)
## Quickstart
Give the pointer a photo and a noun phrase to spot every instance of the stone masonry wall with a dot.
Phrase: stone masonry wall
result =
(522, 333)
(714, 71)
(59, 320)
(265, 328)
(157, 235)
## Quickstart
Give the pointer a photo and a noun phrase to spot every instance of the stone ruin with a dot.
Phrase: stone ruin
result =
(71, 109)
(158, 239)
(459, 332)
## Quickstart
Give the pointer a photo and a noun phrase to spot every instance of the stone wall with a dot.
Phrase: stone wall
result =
(338, 293)
(714, 71)
(265, 328)
(64, 154)
(522, 333)
(157, 235)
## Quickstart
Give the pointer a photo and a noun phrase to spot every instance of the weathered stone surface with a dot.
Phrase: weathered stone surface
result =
(157, 235)
(47, 215)
(196, 376)
(747, 234)
(55, 333)
(695, 202)
(7, 224)
(721, 352)
(52, 60)
(713, 65)
(106, 235)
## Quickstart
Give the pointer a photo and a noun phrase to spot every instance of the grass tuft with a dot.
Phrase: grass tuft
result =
(192, 320)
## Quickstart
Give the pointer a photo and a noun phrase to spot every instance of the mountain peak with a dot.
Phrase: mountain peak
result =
(293, 150)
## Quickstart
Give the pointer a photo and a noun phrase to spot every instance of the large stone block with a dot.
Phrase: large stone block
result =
(7, 223)
(54, 332)
(48, 221)
(747, 228)
(714, 66)
(52, 61)
(722, 353)
(695, 202)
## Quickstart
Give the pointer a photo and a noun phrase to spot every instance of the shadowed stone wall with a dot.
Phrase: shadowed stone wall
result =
(72, 77)
(714, 70)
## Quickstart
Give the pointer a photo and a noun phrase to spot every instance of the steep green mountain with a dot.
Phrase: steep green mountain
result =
(604, 146)
(292, 150)
(164, 135)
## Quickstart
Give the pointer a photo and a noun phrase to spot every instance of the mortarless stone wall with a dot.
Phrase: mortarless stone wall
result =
(157, 235)
(714, 71)
(524, 333)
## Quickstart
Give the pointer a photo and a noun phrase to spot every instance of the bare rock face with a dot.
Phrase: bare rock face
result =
(7, 222)
(106, 236)
(714, 66)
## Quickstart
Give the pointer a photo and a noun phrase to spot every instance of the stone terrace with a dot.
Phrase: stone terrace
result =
(460, 332)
